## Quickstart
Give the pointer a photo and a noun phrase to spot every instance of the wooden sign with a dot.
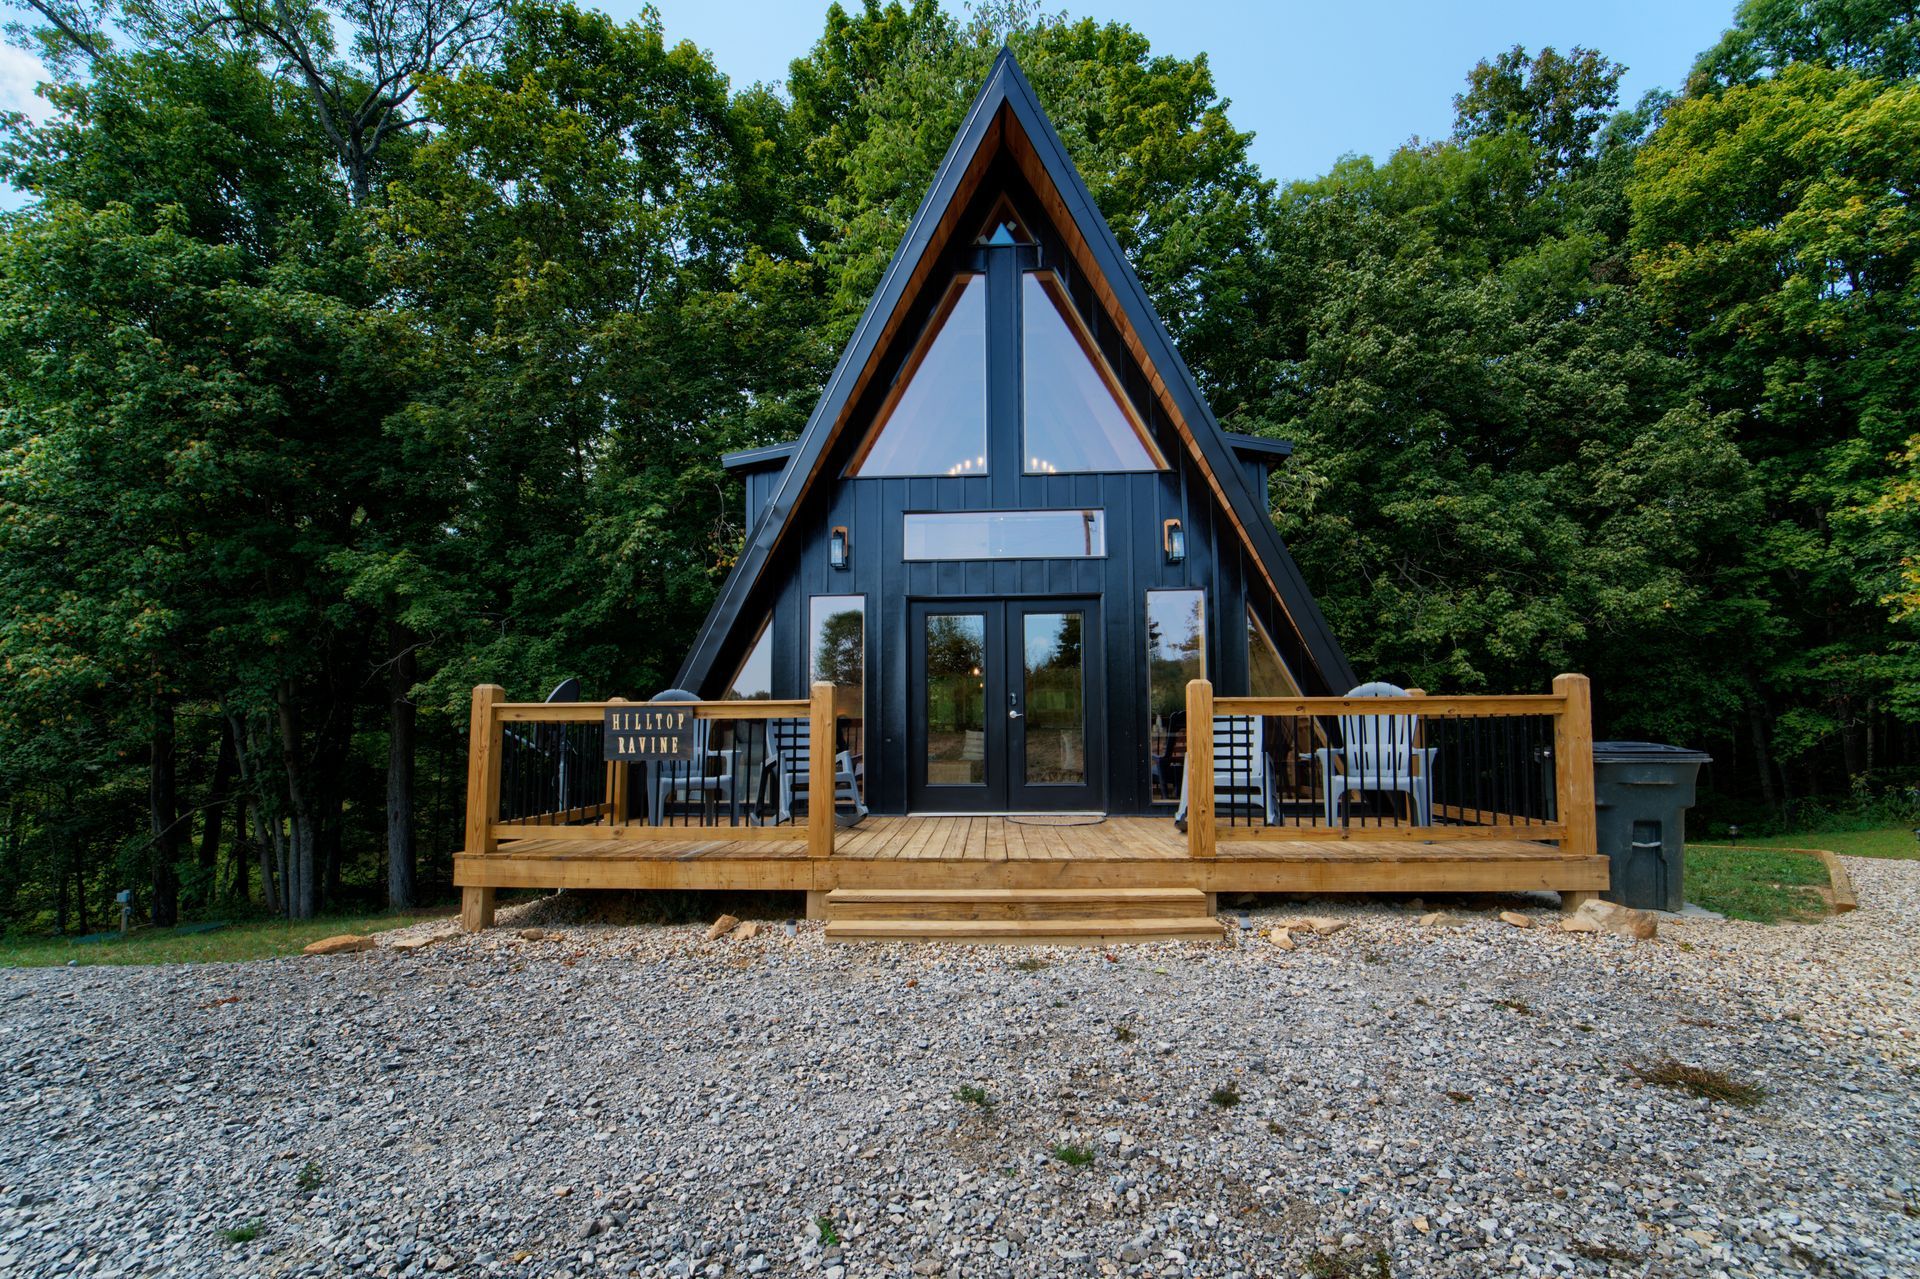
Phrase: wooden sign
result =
(649, 732)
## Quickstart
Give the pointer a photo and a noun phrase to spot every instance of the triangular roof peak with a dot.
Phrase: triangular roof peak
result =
(1006, 118)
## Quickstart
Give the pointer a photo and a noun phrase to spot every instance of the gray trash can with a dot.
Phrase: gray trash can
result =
(1642, 791)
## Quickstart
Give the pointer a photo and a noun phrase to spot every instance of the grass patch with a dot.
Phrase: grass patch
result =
(1765, 885)
(245, 1232)
(311, 1177)
(1225, 1095)
(1520, 1006)
(1123, 1032)
(829, 1237)
(1861, 841)
(973, 1095)
(1074, 1156)
(1359, 1263)
(1457, 1097)
(1031, 964)
(248, 939)
(1701, 1081)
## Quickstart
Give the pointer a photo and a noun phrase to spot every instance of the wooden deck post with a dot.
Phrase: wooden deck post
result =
(483, 799)
(820, 758)
(1199, 768)
(1573, 765)
(617, 784)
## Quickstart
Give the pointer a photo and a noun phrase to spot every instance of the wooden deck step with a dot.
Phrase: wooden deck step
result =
(1028, 932)
(1015, 903)
(1026, 916)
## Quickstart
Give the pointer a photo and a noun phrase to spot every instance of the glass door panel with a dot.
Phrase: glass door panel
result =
(1055, 724)
(1056, 711)
(956, 699)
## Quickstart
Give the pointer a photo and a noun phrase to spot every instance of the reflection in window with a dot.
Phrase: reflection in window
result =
(754, 680)
(837, 653)
(1056, 721)
(1078, 417)
(1176, 653)
(934, 420)
(956, 699)
(1006, 535)
(1267, 674)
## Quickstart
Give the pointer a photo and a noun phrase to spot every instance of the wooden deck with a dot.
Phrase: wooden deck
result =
(1032, 852)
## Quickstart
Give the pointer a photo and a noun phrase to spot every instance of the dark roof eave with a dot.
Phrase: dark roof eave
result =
(766, 457)
(1259, 446)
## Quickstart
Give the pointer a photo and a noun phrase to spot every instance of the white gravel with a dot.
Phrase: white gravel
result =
(638, 1101)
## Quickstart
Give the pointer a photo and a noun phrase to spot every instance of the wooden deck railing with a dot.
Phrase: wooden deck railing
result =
(1385, 768)
(538, 770)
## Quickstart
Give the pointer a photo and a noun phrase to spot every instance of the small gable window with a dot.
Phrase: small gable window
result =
(1004, 226)
(1078, 417)
(934, 419)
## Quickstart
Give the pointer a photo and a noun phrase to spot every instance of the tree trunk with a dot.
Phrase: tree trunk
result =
(237, 887)
(270, 883)
(255, 787)
(212, 826)
(300, 881)
(400, 746)
(1762, 758)
(163, 812)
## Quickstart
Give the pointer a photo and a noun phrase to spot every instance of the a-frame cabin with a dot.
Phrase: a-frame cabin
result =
(1014, 601)
(1013, 530)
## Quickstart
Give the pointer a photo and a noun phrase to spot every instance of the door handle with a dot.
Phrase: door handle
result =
(1013, 714)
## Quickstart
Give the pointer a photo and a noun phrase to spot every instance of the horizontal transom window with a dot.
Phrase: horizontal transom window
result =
(1006, 535)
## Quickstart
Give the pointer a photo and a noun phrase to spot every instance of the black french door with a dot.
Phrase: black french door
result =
(1005, 706)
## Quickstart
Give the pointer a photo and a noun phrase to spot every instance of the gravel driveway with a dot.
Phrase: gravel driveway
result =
(640, 1101)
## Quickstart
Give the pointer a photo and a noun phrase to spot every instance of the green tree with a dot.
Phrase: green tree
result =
(1776, 231)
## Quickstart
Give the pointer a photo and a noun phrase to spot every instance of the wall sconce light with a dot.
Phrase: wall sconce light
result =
(837, 546)
(1174, 539)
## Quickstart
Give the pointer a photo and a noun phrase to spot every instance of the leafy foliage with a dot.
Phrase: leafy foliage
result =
(309, 430)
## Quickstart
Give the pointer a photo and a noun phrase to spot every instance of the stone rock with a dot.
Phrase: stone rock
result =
(532, 934)
(747, 931)
(1320, 925)
(1515, 918)
(343, 944)
(1282, 938)
(1574, 924)
(408, 945)
(721, 927)
(1624, 921)
(1436, 919)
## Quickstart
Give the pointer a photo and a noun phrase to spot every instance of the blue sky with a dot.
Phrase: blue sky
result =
(1312, 81)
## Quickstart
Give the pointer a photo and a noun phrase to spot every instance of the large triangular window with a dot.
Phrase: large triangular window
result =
(1267, 673)
(1078, 417)
(934, 419)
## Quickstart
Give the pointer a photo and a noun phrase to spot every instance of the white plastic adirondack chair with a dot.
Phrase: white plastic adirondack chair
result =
(788, 744)
(1379, 755)
(1241, 776)
(693, 780)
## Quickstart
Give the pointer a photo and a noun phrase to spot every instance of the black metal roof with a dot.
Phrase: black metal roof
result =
(1007, 89)
(760, 459)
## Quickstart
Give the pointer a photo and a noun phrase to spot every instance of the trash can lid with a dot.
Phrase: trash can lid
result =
(1647, 753)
